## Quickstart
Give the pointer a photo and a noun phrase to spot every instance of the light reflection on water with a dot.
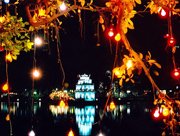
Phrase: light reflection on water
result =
(16, 109)
(85, 117)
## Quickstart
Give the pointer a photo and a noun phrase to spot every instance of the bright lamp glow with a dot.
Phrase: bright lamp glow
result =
(63, 6)
(156, 113)
(5, 87)
(6, 1)
(112, 106)
(36, 73)
(101, 134)
(38, 41)
(31, 133)
(71, 133)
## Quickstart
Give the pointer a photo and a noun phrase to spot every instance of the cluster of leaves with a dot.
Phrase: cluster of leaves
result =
(119, 6)
(131, 66)
(14, 36)
(156, 5)
(46, 12)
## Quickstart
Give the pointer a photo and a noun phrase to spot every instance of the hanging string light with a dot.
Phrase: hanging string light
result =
(6, 87)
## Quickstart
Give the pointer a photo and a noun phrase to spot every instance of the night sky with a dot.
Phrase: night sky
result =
(79, 54)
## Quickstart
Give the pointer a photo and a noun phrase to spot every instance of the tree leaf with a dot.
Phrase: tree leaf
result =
(121, 82)
(132, 81)
(157, 65)
(156, 73)
(127, 79)
(141, 56)
(108, 4)
(82, 3)
(138, 1)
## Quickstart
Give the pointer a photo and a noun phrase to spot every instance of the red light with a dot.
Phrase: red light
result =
(167, 36)
(111, 32)
(176, 74)
(171, 41)
(1, 48)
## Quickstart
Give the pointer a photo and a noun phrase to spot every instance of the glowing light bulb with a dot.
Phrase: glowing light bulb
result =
(62, 103)
(156, 113)
(31, 133)
(63, 6)
(162, 12)
(38, 41)
(171, 41)
(165, 111)
(176, 73)
(6, 1)
(71, 133)
(36, 73)
(7, 117)
(111, 33)
(117, 37)
(5, 87)
(101, 134)
(112, 106)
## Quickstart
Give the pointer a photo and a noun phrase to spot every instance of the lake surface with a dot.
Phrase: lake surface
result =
(127, 119)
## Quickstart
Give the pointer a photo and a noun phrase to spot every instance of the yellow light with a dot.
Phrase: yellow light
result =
(63, 6)
(129, 64)
(9, 57)
(62, 103)
(38, 41)
(165, 111)
(112, 105)
(118, 37)
(71, 133)
(7, 117)
(5, 87)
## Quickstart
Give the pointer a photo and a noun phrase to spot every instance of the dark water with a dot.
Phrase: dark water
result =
(128, 119)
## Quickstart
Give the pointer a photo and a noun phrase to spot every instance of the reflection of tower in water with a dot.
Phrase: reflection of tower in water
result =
(85, 118)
